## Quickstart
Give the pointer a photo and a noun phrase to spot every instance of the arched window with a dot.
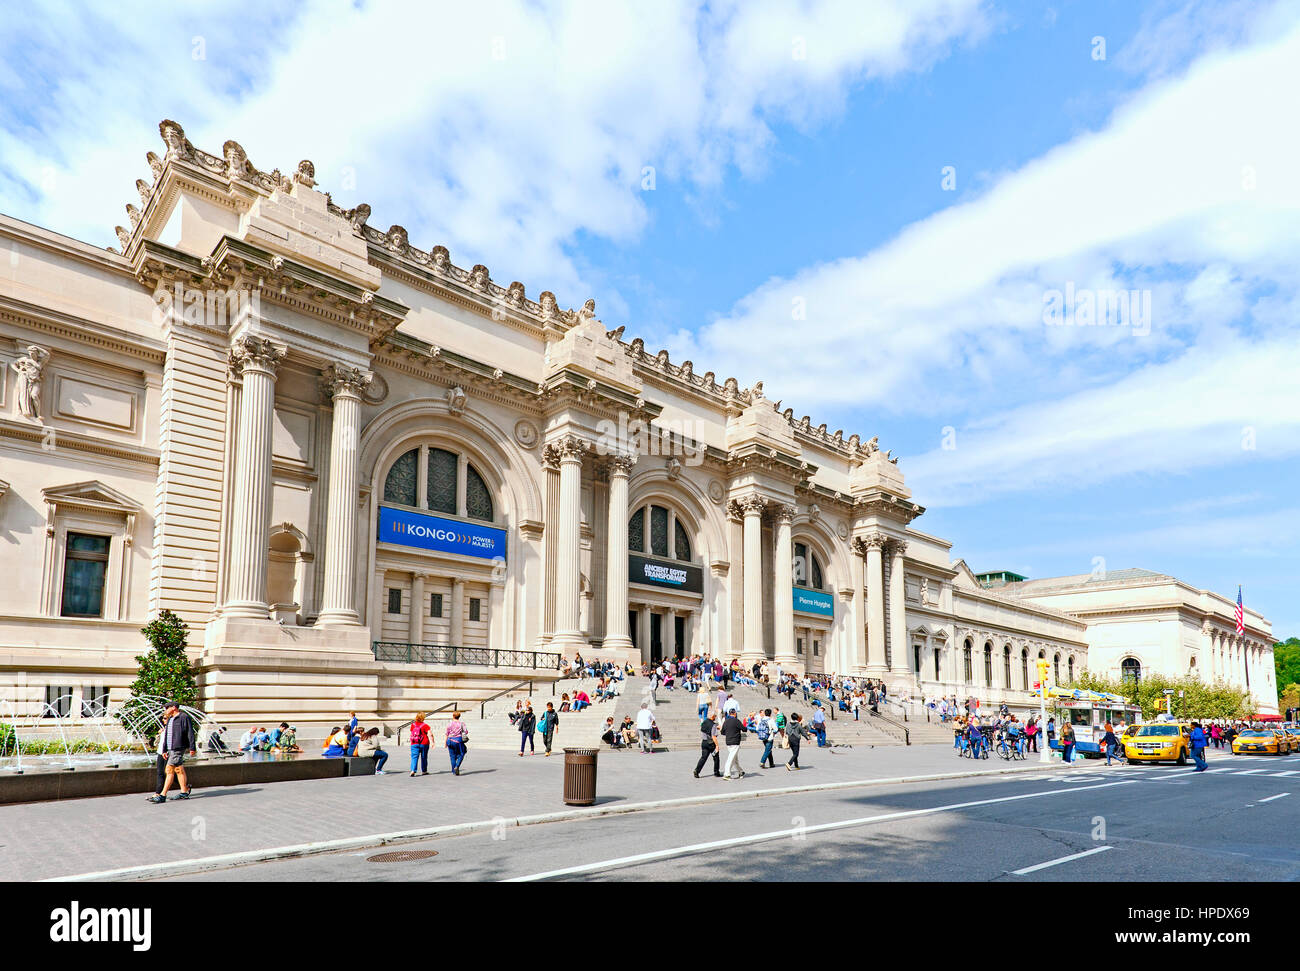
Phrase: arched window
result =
(1024, 668)
(656, 540)
(400, 485)
(966, 654)
(988, 664)
(807, 568)
(1130, 669)
(681, 542)
(478, 500)
(936, 663)
(1006, 666)
(1057, 668)
(1070, 668)
(442, 484)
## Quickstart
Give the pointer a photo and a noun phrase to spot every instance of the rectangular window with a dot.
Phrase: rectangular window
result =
(58, 701)
(394, 600)
(798, 645)
(817, 648)
(435, 605)
(94, 701)
(475, 609)
(84, 567)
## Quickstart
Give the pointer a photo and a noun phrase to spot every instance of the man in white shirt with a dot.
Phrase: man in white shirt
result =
(247, 740)
(645, 722)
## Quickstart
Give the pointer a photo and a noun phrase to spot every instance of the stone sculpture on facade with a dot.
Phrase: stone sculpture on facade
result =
(29, 370)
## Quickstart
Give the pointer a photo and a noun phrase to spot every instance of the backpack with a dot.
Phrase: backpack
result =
(763, 730)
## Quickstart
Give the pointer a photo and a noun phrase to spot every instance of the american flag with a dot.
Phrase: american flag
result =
(1241, 614)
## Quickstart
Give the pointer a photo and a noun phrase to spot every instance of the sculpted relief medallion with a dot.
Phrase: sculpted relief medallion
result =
(526, 433)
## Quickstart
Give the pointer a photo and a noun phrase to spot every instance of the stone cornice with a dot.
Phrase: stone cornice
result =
(1013, 603)
(81, 330)
(1184, 610)
(882, 503)
(126, 451)
(50, 241)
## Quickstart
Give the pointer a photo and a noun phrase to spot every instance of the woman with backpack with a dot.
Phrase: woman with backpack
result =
(419, 744)
(527, 725)
(549, 723)
(457, 736)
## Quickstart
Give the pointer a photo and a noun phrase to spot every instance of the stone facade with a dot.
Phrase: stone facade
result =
(320, 444)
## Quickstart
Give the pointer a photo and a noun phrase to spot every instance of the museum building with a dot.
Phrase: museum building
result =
(369, 479)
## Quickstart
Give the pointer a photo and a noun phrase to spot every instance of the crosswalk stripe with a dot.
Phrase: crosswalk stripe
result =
(1283, 775)
(1251, 771)
(1209, 771)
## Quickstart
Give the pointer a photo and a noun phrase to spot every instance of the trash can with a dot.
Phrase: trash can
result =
(579, 776)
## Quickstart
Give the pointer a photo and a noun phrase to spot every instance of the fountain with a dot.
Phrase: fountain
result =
(118, 736)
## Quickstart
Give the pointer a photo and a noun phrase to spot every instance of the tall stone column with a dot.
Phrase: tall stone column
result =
(876, 665)
(858, 633)
(616, 632)
(752, 508)
(256, 359)
(416, 628)
(550, 534)
(346, 386)
(458, 612)
(568, 613)
(899, 648)
(782, 595)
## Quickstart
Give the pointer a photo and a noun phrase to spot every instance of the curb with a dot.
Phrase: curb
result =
(224, 861)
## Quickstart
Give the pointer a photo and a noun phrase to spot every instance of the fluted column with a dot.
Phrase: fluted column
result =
(783, 595)
(256, 359)
(416, 627)
(345, 385)
(898, 613)
(858, 631)
(876, 665)
(752, 507)
(568, 614)
(616, 632)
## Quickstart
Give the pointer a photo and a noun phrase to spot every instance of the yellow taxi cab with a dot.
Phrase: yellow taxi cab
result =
(1260, 741)
(1159, 742)
(1291, 735)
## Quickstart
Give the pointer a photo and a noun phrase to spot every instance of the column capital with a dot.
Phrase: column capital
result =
(567, 448)
(259, 353)
(752, 505)
(896, 546)
(340, 379)
(620, 463)
(870, 541)
(783, 514)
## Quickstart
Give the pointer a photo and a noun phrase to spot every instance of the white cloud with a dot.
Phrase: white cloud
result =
(501, 128)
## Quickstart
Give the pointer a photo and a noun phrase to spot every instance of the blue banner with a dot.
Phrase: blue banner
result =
(403, 527)
(813, 602)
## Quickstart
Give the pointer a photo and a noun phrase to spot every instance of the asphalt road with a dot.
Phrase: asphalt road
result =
(1234, 823)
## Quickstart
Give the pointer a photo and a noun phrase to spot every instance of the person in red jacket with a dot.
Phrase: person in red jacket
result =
(419, 744)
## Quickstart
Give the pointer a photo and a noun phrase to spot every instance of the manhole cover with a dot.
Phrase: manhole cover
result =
(401, 856)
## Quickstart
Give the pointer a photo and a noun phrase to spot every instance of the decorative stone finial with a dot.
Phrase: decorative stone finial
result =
(306, 174)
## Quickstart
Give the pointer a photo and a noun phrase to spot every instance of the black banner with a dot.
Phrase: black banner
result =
(665, 573)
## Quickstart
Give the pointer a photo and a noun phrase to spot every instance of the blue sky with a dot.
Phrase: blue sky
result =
(799, 152)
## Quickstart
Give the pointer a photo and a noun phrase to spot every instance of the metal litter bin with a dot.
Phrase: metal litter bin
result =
(579, 776)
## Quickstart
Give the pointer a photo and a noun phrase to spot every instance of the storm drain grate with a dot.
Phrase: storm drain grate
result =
(401, 856)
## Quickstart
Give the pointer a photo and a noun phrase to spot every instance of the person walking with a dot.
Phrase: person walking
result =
(645, 723)
(1031, 733)
(1199, 742)
(795, 733)
(368, 747)
(1110, 743)
(527, 726)
(419, 744)
(161, 766)
(732, 730)
(1216, 735)
(177, 740)
(708, 743)
(457, 741)
(766, 732)
(1051, 732)
(549, 723)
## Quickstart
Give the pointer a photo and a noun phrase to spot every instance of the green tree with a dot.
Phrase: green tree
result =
(1289, 698)
(1199, 700)
(166, 670)
(1286, 661)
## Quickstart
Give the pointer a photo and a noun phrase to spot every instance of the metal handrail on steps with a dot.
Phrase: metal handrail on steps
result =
(482, 708)
(907, 736)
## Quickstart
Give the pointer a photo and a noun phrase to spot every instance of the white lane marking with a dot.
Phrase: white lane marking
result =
(1064, 859)
(1284, 774)
(784, 833)
(1251, 771)
(1209, 771)
(1271, 798)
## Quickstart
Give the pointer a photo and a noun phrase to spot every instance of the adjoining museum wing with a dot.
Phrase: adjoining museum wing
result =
(370, 479)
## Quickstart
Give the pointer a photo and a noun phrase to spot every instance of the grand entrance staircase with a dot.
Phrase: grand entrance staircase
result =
(675, 712)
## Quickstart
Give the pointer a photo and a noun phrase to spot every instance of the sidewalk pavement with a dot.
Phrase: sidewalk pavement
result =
(39, 840)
